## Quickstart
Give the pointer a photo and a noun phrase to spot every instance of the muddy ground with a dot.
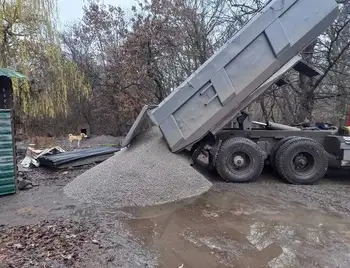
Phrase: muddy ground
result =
(264, 224)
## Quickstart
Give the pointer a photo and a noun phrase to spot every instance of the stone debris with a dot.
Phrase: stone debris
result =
(23, 183)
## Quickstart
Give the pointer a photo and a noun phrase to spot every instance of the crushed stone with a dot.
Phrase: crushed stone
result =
(144, 174)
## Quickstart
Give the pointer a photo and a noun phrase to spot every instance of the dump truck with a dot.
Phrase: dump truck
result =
(207, 112)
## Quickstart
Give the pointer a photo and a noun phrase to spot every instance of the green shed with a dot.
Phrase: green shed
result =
(8, 165)
(7, 154)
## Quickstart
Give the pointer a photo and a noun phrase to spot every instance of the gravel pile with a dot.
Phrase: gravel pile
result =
(145, 174)
(103, 140)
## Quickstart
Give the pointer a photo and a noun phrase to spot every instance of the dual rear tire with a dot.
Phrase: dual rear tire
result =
(297, 160)
(301, 161)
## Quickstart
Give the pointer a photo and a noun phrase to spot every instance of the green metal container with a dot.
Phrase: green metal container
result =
(7, 154)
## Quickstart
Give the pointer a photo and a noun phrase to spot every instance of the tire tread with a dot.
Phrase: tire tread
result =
(243, 141)
(282, 154)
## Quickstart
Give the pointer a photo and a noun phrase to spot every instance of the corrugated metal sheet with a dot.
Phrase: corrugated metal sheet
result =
(10, 73)
(7, 165)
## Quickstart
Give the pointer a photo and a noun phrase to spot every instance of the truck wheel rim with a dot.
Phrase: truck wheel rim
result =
(303, 163)
(239, 163)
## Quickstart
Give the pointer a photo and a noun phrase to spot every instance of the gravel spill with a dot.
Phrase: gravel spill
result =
(144, 174)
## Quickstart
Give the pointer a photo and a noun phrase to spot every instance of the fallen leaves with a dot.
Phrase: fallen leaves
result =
(48, 243)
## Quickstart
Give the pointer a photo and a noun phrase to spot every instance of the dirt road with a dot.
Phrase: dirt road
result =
(264, 224)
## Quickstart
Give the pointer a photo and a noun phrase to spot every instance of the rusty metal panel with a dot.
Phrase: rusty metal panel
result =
(7, 159)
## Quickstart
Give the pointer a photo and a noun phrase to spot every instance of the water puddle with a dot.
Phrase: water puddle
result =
(226, 229)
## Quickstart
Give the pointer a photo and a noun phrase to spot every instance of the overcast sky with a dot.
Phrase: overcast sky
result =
(71, 10)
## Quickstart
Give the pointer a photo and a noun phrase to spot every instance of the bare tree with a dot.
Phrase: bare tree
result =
(326, 93)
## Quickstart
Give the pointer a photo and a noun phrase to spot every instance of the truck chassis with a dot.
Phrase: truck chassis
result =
(298, 156)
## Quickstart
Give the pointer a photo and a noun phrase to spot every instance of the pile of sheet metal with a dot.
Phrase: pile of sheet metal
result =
(57, 158)
(79, 157)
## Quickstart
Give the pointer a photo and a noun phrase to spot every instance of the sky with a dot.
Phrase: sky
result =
(71, 10)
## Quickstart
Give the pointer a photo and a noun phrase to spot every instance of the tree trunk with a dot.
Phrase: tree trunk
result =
(307, 88)
(307, 98)
(342, 107)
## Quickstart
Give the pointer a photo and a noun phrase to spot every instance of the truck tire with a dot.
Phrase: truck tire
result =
(301, 161)
(239, 160)
(274, 150)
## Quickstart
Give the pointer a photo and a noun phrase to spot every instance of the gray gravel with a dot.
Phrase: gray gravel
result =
(144, 174)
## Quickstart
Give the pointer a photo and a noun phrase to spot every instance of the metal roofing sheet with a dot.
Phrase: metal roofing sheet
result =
(10, 73)
(59, 159)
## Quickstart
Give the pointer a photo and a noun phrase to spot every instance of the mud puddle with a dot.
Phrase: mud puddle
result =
(226, 229)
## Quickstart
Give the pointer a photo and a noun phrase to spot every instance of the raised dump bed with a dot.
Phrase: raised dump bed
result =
(251, 60)
(194, 116)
